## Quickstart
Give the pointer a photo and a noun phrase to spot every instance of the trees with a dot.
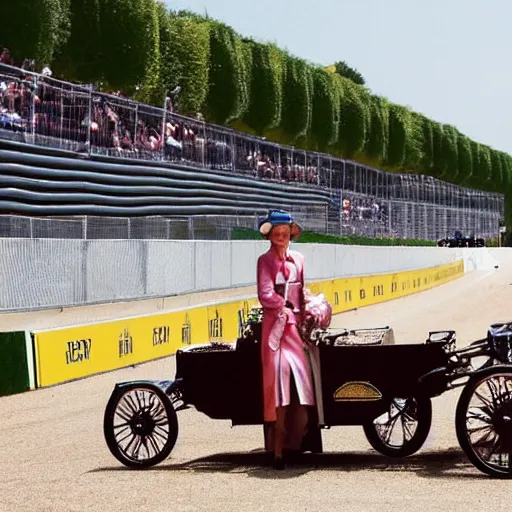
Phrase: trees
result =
(343, 69)
(35, 29)
(184, 59)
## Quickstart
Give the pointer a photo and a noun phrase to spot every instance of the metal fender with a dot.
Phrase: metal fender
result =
(489, 370)
(167, 386)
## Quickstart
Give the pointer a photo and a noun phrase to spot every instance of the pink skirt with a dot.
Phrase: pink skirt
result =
(290, 360)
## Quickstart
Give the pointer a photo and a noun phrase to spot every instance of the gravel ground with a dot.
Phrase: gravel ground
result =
(54, 457)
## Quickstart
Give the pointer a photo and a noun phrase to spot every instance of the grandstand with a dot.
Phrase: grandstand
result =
(61, 144)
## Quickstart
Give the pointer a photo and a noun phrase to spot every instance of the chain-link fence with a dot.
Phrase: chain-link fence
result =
(118, 228)
(41, 110)
(199, 227)
(393, 219)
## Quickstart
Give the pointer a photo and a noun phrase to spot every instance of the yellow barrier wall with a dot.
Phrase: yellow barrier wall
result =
(356, 292)
(71, 353)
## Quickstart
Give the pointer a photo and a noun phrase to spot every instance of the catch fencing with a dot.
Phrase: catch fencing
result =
(49, 113)
(197, 227)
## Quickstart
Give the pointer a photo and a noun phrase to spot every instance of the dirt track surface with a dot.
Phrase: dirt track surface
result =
(54, 458)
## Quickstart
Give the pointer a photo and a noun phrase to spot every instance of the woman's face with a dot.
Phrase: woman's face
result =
(280, 236)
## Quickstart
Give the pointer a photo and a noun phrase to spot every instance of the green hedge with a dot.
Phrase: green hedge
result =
(414, 143)
(398, 136)
(317, 238)
(297, 99)
(34, 29)
(251, 85)
(377, 141)
(228, 95)
(127, 39)
(78, 58)
(149, 86)
(266, 98)
(465, 159)
(427, 144)
(354, 118)
(326, 103)
(184, 59)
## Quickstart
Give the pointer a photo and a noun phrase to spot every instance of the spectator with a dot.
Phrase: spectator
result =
(5, 57)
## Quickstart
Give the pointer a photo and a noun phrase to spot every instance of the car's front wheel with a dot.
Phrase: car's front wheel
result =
(140, 425)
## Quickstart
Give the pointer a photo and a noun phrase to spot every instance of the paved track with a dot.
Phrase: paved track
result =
(53, 456)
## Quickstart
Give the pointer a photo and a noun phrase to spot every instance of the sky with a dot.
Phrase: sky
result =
(448, 60)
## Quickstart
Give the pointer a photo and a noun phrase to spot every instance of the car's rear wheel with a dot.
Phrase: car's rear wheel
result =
(403, 429)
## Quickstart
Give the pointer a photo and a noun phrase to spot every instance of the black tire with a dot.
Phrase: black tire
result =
(416, 410)
(494, 419)
(148, 422)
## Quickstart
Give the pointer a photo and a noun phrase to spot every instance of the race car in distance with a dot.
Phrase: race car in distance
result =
(461, 241)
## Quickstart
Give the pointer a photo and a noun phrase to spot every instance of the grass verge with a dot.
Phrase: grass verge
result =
(317, 238)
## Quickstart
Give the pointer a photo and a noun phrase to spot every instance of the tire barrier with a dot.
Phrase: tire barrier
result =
(98, 163)
(126, 186)
(39, 184)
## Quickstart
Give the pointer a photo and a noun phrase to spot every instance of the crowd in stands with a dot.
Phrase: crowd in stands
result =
(361, 208)
(73, 117)
(264, 165)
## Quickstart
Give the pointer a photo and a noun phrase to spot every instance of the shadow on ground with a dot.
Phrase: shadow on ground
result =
(441, 464)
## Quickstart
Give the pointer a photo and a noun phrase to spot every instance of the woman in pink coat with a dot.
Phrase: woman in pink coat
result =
(287, 378)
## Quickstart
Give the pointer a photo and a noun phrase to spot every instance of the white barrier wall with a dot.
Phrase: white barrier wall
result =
(44, 273)
(478, 259)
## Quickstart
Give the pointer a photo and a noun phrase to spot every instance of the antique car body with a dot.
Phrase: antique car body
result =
(365, 379)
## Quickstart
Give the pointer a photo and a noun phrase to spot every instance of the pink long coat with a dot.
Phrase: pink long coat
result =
(289, 357)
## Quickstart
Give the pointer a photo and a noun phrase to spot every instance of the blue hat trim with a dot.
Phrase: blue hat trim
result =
(276, 218)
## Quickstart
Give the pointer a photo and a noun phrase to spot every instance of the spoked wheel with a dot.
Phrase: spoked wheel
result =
(402, 430)
(140, 426)
(483, 422)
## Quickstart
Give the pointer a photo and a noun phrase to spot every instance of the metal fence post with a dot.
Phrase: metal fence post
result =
(191, 228)
(205, 142)
(33, 111)
(233, 152)
(164, 127)
(89, 128)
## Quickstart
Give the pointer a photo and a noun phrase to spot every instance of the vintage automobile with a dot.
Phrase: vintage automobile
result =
(366, 379)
